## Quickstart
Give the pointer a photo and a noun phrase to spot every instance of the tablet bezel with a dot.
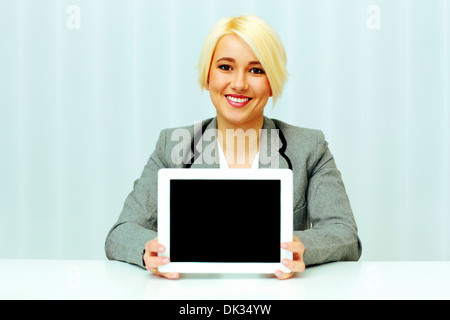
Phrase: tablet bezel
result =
(286, 225)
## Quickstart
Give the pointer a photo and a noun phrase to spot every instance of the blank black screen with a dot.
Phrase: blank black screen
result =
(225, 220)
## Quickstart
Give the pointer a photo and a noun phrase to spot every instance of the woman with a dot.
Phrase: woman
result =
(242, 65)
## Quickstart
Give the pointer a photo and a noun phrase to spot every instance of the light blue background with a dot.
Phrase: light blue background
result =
(81, 110)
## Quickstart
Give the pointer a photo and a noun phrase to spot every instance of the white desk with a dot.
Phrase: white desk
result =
(74, 279)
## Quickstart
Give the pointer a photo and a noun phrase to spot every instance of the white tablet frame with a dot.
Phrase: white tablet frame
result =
(286, 232)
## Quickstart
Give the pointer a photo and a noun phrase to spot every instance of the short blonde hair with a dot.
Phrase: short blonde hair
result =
(261, 38)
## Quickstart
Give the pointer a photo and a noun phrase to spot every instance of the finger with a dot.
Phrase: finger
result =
(283, 275)
(294, 265)
(171, 275)
(153, 247)
(167, 275)
(150, 252)
(294, 246)
(153, 262)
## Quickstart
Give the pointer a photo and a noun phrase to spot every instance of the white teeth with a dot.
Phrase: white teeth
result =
(238, 100)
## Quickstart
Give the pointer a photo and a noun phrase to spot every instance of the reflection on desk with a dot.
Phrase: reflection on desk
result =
(95, 279)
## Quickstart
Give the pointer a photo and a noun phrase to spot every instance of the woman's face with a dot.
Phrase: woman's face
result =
(237, 84)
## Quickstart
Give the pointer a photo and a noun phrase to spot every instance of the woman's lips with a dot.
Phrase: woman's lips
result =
(237, 101)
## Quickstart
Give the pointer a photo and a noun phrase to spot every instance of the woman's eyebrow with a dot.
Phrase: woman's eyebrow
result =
(226, 59)
(233, 61)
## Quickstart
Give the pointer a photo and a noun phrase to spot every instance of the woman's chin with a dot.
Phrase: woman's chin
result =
(239, 117)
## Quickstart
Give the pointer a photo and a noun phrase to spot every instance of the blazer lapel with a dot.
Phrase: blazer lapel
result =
(271, 146)
(205, 147)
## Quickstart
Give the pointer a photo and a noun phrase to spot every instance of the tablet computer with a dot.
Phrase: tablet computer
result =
(225, 221)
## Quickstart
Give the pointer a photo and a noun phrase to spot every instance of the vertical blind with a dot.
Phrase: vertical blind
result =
(87, 85)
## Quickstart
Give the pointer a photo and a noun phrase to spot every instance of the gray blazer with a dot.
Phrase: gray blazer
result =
(323, 219)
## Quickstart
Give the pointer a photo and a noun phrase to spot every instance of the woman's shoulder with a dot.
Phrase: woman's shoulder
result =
(194, 127)
(302, 144)
(299, 134)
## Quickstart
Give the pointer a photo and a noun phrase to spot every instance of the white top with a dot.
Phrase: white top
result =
(223, 160)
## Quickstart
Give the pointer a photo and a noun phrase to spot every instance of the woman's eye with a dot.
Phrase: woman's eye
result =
(225, 67)
(257, 71)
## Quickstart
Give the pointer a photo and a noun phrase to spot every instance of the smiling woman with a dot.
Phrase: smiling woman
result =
(260, 37)
(242, 65)
(234, 82)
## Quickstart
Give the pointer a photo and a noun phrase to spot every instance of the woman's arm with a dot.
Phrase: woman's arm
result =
(137, 223)
(333, 235)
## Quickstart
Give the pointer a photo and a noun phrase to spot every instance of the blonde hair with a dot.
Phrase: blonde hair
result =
(261, 38)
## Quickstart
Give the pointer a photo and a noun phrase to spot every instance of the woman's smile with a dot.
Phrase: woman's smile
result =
(237, 100)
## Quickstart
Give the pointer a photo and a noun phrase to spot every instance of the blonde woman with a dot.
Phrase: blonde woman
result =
(243, 65)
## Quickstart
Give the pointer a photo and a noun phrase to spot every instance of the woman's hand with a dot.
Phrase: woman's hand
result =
(152, 261)
(295, 265)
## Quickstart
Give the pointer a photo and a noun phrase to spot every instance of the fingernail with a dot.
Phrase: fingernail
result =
(285, 262)
(161, 249)
(166, 261)
(284, 245)
(278, 274)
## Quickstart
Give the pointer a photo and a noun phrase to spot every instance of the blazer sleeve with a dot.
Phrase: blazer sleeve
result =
(137, 223)
(333, 234)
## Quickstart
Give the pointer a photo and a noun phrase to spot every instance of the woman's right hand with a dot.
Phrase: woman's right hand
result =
(152, 261)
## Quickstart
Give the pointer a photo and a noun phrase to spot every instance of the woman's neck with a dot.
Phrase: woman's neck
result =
(240, 142)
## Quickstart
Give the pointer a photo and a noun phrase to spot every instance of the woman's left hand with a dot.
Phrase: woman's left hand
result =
(296, 264)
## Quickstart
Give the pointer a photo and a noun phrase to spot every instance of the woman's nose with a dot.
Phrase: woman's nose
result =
(239, 83)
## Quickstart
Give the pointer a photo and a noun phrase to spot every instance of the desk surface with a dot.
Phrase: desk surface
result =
(92, 279)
